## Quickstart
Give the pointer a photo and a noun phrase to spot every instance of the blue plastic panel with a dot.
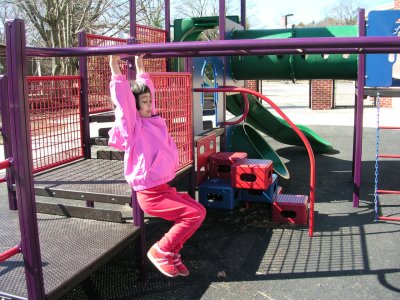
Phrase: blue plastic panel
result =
(378, 68)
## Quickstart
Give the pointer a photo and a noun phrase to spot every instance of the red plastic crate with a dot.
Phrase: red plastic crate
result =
(253, 174)
(290, 209)
(220, 164)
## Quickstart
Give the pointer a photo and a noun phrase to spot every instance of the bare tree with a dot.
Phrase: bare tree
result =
(56, 23)
(151, 12)
(202, 8)
(195, 8)
(345, 12)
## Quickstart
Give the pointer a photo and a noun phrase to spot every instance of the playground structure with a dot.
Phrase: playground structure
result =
(26, 185)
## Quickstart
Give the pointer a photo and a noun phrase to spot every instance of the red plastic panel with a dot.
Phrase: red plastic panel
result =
(206, 146)
(253, 174)
(290, 209)
(220, 163)
(174, 103)
(55, 120)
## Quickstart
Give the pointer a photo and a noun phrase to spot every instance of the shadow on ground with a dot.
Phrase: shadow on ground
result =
(242, 255)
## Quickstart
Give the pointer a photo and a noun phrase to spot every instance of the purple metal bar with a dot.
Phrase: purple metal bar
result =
(355, 43)
(138, 215)
(243, 13)
(222, 20)
(84, 103)
(138, 220)
(275, 52)
(83, 72)
(22, 152)
(6, 132)
(358, 119)
(168, 20)
(222, 33)
(167, 12)
(131, 71)
(132, 16)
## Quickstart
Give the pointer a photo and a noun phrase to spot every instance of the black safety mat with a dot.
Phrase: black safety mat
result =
(102, 178)
(69, 246)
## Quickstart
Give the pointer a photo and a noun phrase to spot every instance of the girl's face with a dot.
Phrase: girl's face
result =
(145, 105)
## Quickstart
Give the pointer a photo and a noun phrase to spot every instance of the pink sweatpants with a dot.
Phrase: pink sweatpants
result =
(165, 202)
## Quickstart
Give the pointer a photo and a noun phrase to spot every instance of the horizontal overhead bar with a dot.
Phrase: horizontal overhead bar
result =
(236, 47)
(273, 52)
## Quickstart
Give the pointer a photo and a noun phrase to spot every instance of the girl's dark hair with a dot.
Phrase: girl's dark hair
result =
(138, 88)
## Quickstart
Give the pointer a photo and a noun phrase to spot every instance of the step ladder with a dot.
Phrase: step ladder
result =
(378, 156)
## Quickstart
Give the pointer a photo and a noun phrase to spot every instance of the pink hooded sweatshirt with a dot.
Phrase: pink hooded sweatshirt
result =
(151, 156)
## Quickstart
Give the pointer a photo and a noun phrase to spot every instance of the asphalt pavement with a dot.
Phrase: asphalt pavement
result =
(241, 254)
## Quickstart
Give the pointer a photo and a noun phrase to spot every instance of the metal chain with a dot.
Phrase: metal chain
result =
(376, 197)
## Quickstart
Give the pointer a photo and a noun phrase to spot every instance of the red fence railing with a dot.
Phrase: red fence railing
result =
(55, 112)
(99, 74)
(148, 35)
(174, 103)
(99, 71)
(56, 129)
(55, 121)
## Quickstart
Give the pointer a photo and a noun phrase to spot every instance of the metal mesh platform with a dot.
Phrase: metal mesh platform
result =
(103, 117)
(88, 179)
(71, 249)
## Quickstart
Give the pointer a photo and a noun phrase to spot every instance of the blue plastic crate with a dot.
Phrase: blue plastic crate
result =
(267, 195)
(218, 193)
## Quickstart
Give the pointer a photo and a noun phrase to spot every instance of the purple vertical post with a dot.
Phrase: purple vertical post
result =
(138, 216)
(84, 102)
(168, 20)
(243, 13)
(222, 30)
(84, 92)
(130, 64)
(138, 220)
(132, 16)
(358, 119)
(221, 19)
(6, 133)
(131, 71)
(167, 11)
(22, 153)
(137, 212)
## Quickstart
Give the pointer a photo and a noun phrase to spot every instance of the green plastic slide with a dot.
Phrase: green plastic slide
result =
(275, 127)
(244, 138)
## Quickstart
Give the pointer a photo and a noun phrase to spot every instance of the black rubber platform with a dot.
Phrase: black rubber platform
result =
(103, 117)
(89, 179)
(71, 250)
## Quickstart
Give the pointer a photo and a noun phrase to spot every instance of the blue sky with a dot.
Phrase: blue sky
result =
(267, 13)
